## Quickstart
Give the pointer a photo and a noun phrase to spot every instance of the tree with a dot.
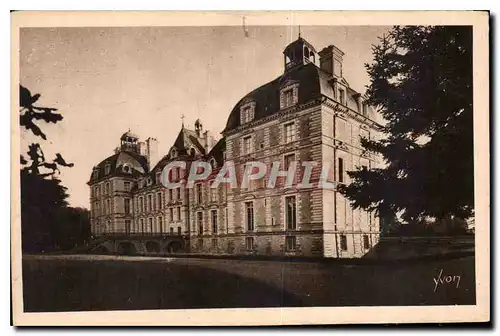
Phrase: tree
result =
(43, 198)
(421, 82)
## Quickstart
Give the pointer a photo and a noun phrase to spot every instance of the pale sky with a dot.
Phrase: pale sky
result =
(107, 80)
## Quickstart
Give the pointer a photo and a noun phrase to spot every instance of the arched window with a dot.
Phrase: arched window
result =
(213, 163)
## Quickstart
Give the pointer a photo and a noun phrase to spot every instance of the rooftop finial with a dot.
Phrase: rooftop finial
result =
(299, 31)
(182, 118)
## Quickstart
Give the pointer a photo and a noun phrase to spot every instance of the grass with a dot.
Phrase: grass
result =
(88, 283)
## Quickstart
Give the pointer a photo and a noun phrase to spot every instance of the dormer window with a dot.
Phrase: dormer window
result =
(342, 96)
(150, 181)
(173, 153)
(213, 163)
(107, 169)
(289, 95)
(95, 174)
(247, 112)
(126, 169)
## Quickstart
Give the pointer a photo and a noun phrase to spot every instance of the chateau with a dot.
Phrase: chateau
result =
(308, 113)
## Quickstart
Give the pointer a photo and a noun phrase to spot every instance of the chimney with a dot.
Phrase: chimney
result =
(208, 141)
(152, 152)
(330, 59)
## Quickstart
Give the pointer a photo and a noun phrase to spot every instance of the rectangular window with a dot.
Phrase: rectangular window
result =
(178, 230)
(249, 243)
(171, 231)
(341, 170)
(127, 205)
(171, 194)
(200, 222)
(160, 200)
(247, 145)
(150, 228)
(126, 186)
(343, 242)
(341, 132)
(366, 242)
(142, 225)
(127, 226)
(178, 213)
(249, 216)
(246, 114)
(342, 96)
(289, 132)
(160, 224)
(158, 178)
(149, 205)
(108, 206)
(287, 98)
(290, 243)
(291, 212)
(214, 221)
(107, 169)
(179, 193)
(214, 243)
(213, 194)
(199, 193)
(288, 159)
(106, 188)
(171, 210)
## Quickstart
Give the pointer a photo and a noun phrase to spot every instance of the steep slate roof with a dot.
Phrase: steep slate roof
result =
(186, 139)
(137, 163)
(217, 152)
(313, 83)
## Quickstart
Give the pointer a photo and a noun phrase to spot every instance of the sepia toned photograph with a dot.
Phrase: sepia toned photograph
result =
(231, 166)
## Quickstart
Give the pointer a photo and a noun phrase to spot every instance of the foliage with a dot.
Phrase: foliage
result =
(47, 223)
(421, 82)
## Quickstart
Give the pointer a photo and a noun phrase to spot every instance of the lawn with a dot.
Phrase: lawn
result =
(60, 283)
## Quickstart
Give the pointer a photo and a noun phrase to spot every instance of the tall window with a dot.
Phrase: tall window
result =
(366, 242)
(249, 216)
(108, 206)
(290, 132)
(178, 213)
(171, 231)
(171, 210)
(342, 96)
(341, 170)
(179, 230)
(142, 225)
(343, 242)
(247, 145)
(171, 195)
(214, 221)
(149, 205)
(291, 212)
(213, 194)
(287, 98)
(200, 222)
(159, 199)
(126, 186)
(106, 188)
(141, 203)
(127, 205)
(199, 194)
(288, 159)
(107, 169)
(127, 226)
(160, 224)
(179, 193)
(150, 228)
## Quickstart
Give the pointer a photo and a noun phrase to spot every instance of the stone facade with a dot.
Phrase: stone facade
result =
(308, 114)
